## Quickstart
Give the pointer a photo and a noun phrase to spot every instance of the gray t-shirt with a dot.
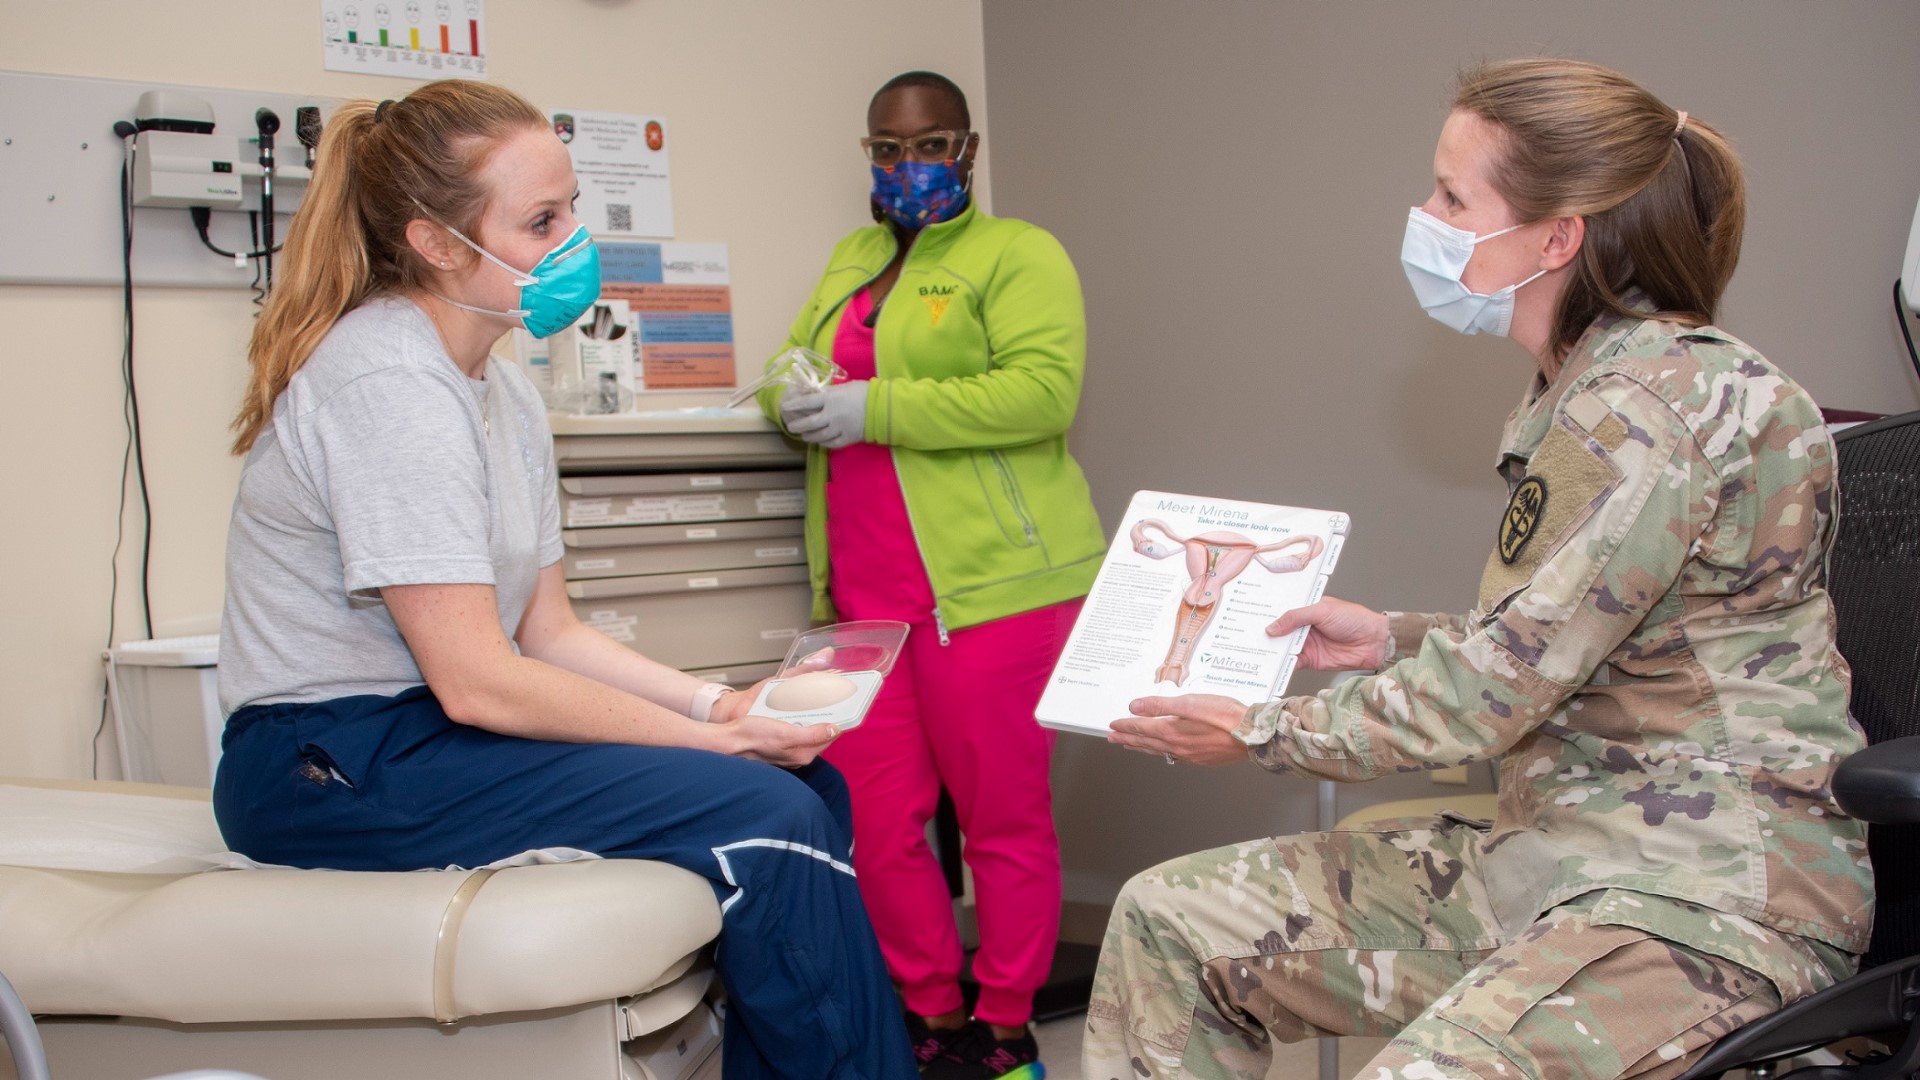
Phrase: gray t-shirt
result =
(384, 465)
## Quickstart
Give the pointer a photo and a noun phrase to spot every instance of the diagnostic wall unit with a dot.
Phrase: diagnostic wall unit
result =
(60, 184)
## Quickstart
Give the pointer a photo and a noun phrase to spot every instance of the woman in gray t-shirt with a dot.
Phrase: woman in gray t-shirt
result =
(406, 682)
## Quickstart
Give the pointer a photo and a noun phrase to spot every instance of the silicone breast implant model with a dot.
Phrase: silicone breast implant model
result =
(813, 690)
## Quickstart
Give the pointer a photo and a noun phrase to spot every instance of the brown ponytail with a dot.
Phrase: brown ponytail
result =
(378, 167)
(1664, 202)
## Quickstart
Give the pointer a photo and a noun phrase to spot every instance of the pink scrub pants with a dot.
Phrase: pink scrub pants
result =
(961, 714)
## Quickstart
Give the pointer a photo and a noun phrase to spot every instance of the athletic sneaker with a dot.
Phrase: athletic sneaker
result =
(976, 1055)
(929, 1042)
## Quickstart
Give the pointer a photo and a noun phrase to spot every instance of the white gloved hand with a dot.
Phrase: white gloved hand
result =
(840, 421)
(798, 402)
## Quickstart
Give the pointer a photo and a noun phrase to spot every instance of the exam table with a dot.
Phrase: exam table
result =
(142, 947)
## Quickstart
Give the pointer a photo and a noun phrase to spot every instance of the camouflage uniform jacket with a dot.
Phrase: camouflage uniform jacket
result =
(1652, 653)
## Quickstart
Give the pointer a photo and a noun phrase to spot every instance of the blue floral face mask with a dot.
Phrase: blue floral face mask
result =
(915, 194)
(557, 291)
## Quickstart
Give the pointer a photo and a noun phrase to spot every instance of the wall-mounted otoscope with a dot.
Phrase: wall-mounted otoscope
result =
(267, 122)
(306, 127)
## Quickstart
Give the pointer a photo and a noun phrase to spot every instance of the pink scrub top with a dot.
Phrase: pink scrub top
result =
(874, 565)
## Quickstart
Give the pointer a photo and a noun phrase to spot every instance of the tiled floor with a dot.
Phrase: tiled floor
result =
(1060, 1050)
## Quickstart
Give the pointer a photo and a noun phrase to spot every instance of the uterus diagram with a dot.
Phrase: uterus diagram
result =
(1214, 560)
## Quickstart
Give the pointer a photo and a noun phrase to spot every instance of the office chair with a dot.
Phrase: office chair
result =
(1874, 577)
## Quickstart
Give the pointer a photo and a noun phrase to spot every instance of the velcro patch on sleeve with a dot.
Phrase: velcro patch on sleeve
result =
(1564, 480)
(1610, 432)
(1587, 410)
(1597, 418)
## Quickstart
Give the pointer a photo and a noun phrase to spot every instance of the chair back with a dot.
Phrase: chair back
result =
(1874, 578)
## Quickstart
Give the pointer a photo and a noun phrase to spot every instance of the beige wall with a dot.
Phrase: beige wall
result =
(767, 98)
(1233, 179)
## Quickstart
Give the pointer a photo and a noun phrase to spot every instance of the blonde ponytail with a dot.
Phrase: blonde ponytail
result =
(1662, 195)
(378, 167)
(323, 273)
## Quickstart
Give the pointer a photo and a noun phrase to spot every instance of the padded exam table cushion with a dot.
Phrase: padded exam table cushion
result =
(259, 945)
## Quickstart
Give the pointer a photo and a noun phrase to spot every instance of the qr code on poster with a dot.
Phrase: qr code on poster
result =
(619, 217)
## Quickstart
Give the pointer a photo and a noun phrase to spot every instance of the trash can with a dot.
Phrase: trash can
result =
(166, 708)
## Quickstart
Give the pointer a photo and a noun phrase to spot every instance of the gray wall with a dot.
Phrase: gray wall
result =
(1232, 180)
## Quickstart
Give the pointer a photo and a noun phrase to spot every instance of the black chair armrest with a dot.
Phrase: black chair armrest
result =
(1881, 784)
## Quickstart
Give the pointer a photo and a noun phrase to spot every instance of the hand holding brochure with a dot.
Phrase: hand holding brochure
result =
(1182, 605)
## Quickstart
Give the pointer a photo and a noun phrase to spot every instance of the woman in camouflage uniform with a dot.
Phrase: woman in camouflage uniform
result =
(1651, 657)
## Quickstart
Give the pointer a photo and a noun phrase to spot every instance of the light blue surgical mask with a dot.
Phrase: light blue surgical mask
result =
(1434, 255)
(557, 291)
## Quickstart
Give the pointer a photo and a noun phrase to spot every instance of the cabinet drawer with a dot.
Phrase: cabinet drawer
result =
(655, 584)
(619, 536)
(583, 563)
(678, 482)
(625, 550)
(705, 627)
(683, 450)
(658, 499)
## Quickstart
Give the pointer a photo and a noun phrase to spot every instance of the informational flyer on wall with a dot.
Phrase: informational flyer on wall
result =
(668, 305)
(1182, 604)
(620, 162)
(418, 39)
(681, 303)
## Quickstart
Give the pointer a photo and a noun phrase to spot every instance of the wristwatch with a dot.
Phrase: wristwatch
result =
(704, 699)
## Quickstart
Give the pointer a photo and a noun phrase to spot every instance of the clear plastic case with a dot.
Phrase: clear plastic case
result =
(832, 674)
(797, 368)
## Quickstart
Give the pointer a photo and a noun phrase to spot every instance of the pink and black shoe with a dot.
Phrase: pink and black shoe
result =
(929, 1042)
(973, 1053)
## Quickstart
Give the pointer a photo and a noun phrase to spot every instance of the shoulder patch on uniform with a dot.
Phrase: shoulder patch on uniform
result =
(1534, 526)
(1524, 509)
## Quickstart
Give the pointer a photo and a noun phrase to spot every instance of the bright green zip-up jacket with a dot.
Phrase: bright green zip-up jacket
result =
(979, 353)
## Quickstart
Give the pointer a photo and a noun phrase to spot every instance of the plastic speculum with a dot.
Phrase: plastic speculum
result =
(797, 369)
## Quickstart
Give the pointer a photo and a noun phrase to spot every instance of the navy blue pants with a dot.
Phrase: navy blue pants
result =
(389, 783)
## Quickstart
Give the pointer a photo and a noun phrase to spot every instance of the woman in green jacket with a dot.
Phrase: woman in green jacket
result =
(941, 494)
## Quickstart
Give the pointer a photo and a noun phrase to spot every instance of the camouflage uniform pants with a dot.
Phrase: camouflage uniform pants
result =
(1389, 932)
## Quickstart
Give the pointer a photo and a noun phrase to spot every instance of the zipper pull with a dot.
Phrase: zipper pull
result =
(940, 624)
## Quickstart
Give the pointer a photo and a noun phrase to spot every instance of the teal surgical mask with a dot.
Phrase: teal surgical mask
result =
(557, 291)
